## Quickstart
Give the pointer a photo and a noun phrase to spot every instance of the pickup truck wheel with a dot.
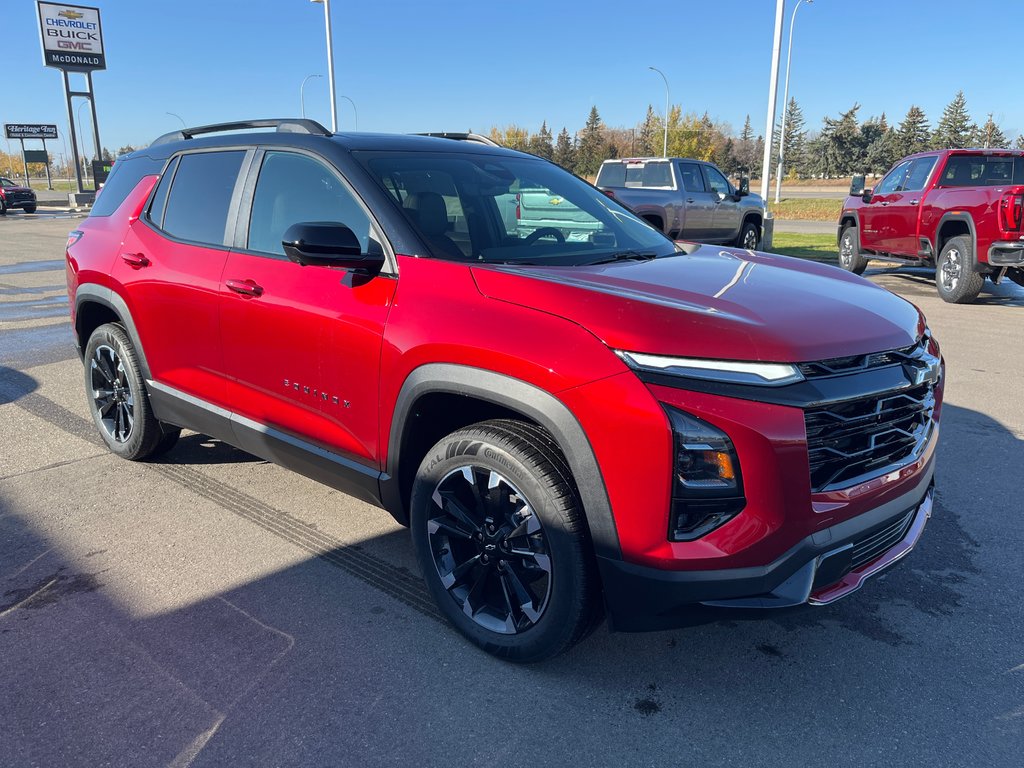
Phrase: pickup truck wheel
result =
(850, 257)
(501, 540)
(955, 281)
(117, 397)
(750, 236)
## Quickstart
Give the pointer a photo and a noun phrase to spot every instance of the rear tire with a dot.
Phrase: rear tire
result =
(955, 279)
(501, 540)
(117, 397)
(850, 257)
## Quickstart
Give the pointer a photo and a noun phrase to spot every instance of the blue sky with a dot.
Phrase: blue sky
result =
(436, 65)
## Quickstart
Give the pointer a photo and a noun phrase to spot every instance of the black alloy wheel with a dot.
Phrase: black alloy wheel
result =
(502, 540)
(489, 549)
(112, 396)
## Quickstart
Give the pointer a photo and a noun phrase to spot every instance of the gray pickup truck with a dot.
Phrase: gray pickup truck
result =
(688, 200)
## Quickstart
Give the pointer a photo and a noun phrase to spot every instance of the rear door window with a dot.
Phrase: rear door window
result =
(982, 171)
(200, 196)
(693, 180)
(657, 175)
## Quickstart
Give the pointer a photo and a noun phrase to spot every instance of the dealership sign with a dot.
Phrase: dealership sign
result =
(72, 37)
(30, 131)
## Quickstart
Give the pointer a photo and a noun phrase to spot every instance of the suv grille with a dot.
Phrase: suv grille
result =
(850, 439)
(857, 363)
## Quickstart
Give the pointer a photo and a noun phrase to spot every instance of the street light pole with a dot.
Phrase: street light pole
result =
(785, 100)
(330, 63)
(664, 150)
(355, 113)
(302, 93)
(773, 95)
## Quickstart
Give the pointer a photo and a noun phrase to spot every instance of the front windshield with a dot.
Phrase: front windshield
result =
(5, 182)
(503, 209)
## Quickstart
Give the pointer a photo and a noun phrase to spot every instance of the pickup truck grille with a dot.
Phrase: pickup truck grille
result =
(857, 438)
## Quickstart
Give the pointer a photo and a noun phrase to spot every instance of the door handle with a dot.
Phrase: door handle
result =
(135, 260)
(914, 202)
(689, 199)
(885, 202)
(245, 288)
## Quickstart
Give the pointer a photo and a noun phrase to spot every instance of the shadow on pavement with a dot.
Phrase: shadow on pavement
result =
(317, 665)
(14, 384)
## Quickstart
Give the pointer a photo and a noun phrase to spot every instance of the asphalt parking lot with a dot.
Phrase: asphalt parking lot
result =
(213, 609)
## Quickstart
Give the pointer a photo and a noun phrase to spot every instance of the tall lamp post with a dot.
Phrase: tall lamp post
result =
(302, 93)
(773, 96)
(785, 100)
(355, 113)
(330, 63)
(664, 150)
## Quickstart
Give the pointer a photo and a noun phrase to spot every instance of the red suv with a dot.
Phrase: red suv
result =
(957, 210)
(571, 425)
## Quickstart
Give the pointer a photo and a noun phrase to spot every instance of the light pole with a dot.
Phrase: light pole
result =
(664, 151)
(355, 114)
(172, 114)
(330, 63)
(785, 100)
(85, 159)
(773, 96)
(302, 93)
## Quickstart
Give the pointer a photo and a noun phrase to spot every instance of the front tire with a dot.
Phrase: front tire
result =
(501, 540)
(850, 257)
(29, 208)
(750, 237)
(117, 397)
(955, 278)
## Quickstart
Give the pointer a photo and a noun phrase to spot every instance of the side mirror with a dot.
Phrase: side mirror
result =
(744, 189)
(857, 185)
(327, 244)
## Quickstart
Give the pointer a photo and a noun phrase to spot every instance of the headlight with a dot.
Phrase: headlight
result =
(707, 489)
(734, 372)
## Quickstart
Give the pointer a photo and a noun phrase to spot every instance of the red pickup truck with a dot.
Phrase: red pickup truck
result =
(957, 210)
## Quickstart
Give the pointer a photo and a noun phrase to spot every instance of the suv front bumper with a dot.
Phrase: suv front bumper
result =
(824, 567)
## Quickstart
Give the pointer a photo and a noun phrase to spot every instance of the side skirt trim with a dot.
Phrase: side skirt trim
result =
(173, 406)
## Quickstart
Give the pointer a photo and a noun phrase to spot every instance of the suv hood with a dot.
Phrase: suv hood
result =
(716, 303)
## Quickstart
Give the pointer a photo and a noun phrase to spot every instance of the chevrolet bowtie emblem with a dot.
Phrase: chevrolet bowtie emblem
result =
(555, 201)
(70, 14)
(921, 370)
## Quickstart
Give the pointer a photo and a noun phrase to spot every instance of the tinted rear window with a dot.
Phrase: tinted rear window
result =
(982, 171)
(200, 196)
(122, 180)
(612, 175)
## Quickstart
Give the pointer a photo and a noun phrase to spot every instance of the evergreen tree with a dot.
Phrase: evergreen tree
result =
(883, 152)
(725, 158)
(747, 152)
(541, 143)
(1019, 143)
(839, 147)
(990, 135)
(590, 152)
(913, 134)
(565, 151)
(795, 139)
(955, 128)
(647, 144)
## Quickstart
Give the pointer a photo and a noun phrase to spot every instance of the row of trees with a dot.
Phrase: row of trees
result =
(61, 165)
(844, 145)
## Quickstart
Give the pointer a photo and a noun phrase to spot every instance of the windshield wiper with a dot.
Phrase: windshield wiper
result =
(625, 256)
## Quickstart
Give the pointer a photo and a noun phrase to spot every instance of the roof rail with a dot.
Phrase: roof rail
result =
(283, 125)
(462, 137)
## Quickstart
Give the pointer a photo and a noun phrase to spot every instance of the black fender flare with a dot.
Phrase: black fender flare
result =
(965, 217)
(98, 294)
(843, 217)
(531, 401)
